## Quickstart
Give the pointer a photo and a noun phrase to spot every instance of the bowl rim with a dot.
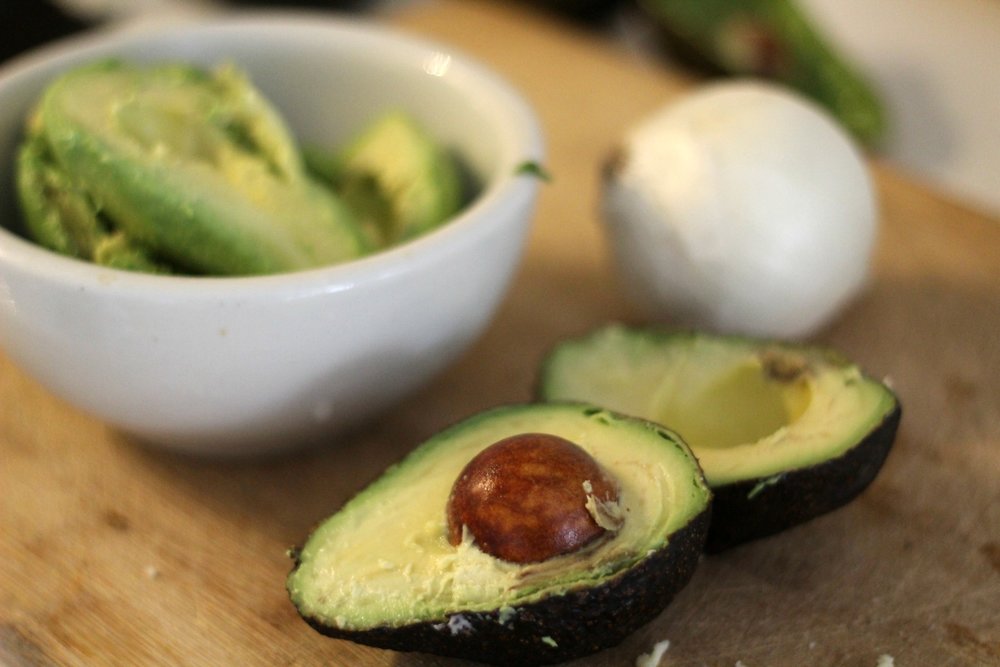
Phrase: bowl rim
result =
(509, 187)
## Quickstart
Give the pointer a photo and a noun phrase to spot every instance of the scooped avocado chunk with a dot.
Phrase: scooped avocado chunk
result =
(195, 168)
(385, 569)
(784, 432)
(402, 181)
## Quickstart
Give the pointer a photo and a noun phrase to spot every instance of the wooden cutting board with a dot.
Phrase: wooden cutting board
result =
(115, 554)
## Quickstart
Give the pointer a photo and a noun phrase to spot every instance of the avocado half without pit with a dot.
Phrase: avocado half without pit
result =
(525, 535)
(784, 432)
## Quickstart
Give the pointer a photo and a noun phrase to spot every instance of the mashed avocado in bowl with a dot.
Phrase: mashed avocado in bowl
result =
(176, 168)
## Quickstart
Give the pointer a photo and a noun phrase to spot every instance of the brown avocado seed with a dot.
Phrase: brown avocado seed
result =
(530, 497)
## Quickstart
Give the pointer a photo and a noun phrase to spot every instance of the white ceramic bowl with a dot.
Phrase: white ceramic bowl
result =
(261, 364)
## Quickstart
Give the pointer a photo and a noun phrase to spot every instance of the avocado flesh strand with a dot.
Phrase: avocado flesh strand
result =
(118, 251)
(777, 40)
(383, 562)
(194, 166)
(819, 438)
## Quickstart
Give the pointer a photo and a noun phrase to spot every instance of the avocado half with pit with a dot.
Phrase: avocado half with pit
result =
(784, 432)
(525, 535)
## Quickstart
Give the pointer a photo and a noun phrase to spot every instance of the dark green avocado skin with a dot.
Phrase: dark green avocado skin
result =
(557, 628)
(752, 509)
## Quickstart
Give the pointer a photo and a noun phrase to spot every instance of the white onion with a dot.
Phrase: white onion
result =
(743, 208)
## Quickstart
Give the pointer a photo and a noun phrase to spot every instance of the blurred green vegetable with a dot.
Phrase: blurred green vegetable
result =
(773, 39)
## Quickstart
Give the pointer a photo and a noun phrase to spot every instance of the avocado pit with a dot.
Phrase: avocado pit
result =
(381, 571)
(531, 497)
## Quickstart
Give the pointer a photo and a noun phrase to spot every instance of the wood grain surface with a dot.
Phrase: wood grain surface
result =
(115, 554)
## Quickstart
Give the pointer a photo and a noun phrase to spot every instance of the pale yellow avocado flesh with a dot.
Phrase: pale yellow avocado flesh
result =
(384, 559)
(748, 409)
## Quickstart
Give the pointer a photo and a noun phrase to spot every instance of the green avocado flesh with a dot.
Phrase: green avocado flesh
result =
(381, 571)
(395, 167)
(172, 168)
(765, 419)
